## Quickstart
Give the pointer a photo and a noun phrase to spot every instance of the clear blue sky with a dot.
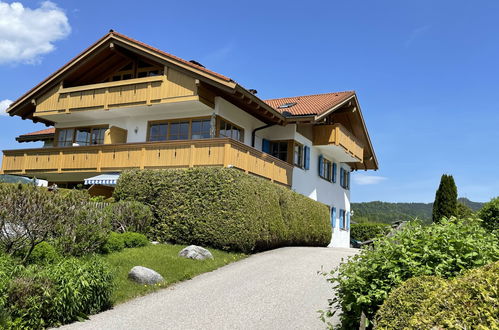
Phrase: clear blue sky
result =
(426, 72)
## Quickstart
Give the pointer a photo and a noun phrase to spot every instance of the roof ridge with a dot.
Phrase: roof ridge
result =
(320, 94)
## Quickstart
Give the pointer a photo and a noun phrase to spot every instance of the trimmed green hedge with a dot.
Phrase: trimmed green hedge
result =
(368, 230)
(225, 208)
(470, 301)
(403, 302)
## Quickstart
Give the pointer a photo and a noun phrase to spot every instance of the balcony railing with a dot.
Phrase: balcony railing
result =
(337, 134)
(132, 92)
(169, 154)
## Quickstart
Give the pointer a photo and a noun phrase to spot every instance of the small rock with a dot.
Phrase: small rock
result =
(155, 243)
(195, 252)
(145, 275)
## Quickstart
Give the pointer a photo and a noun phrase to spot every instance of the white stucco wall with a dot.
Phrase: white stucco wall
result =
(310, 184)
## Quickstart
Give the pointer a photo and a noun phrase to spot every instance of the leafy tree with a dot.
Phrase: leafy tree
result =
(463, 211)
(445, 204)
(490, 214)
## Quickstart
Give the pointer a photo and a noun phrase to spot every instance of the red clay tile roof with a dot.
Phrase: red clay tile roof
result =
(42, 132)
(310, 104)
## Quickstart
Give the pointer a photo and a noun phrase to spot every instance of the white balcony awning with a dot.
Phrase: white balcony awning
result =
(106, 179)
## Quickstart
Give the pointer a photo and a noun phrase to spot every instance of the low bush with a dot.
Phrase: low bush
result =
(132, 240)
(83, 231)
(404, 302)
(113, 243)
(43, 253)
(225, 208)
(489, 214)
(130, 216)
(470, 301)
(445, 249)
(56, 294)
(366, 231)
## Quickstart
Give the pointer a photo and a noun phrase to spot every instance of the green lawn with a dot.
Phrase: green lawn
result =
(164, 259)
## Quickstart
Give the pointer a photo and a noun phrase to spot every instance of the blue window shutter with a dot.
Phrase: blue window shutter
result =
(334, 172)
(321, 166)
(307, 157)
(266, 146)
(342, 178)
(333, 217)
(342, 219)
(348, 221)
(348, 180)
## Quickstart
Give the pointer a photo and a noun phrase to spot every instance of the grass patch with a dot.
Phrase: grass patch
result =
(164, 259)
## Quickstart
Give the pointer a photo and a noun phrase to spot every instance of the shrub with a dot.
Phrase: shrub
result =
(470, 301)
(43, 253)
(444, 250)
(404, 301)
(114, 243)
(28, 215)
(83, 231)
(225, 208)
(489, 213)
(368, 230)
(59, 293)
(132, 240)
(130, 216)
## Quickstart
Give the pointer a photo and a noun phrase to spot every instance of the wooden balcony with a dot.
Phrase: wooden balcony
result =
(338, 135)
(117, 94)
(169, 154)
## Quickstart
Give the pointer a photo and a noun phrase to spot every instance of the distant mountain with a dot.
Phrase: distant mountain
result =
(5, 178)
(390, 212)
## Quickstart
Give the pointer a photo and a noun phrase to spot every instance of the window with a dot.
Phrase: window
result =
(181, 129)
(81, 136)
(200, 129)
(65, 137)
(343, 219)
(279, 149)
(230, 130)
(158, 132)
(298, 154)
(325, 168)
(98, 135)
(344, 178)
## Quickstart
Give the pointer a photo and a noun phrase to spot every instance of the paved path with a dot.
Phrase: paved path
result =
(278, 289)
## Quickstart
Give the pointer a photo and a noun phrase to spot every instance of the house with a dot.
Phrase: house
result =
(122, 104)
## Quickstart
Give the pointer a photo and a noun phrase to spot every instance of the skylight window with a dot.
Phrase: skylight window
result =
(286, 105)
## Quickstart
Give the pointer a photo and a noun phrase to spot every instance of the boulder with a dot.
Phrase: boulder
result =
(195, 252)
(145, 275)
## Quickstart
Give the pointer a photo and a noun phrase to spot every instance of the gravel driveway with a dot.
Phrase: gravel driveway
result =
(278, 289)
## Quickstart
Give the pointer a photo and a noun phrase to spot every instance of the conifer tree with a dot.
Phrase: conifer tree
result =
(445, 204)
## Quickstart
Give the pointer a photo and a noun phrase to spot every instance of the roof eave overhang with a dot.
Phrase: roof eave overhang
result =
(337, 106)
(35, 138)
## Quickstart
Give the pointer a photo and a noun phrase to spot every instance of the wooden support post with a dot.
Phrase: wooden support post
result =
(149, 93)
(226, 154)
(247, 162)
(192, 154)
(272, 172)
(142, 158)
(106, 99)
(25, 160)
(99, 160)
(59, 162)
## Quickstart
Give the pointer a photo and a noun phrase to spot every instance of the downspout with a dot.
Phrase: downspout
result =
(253, 133)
